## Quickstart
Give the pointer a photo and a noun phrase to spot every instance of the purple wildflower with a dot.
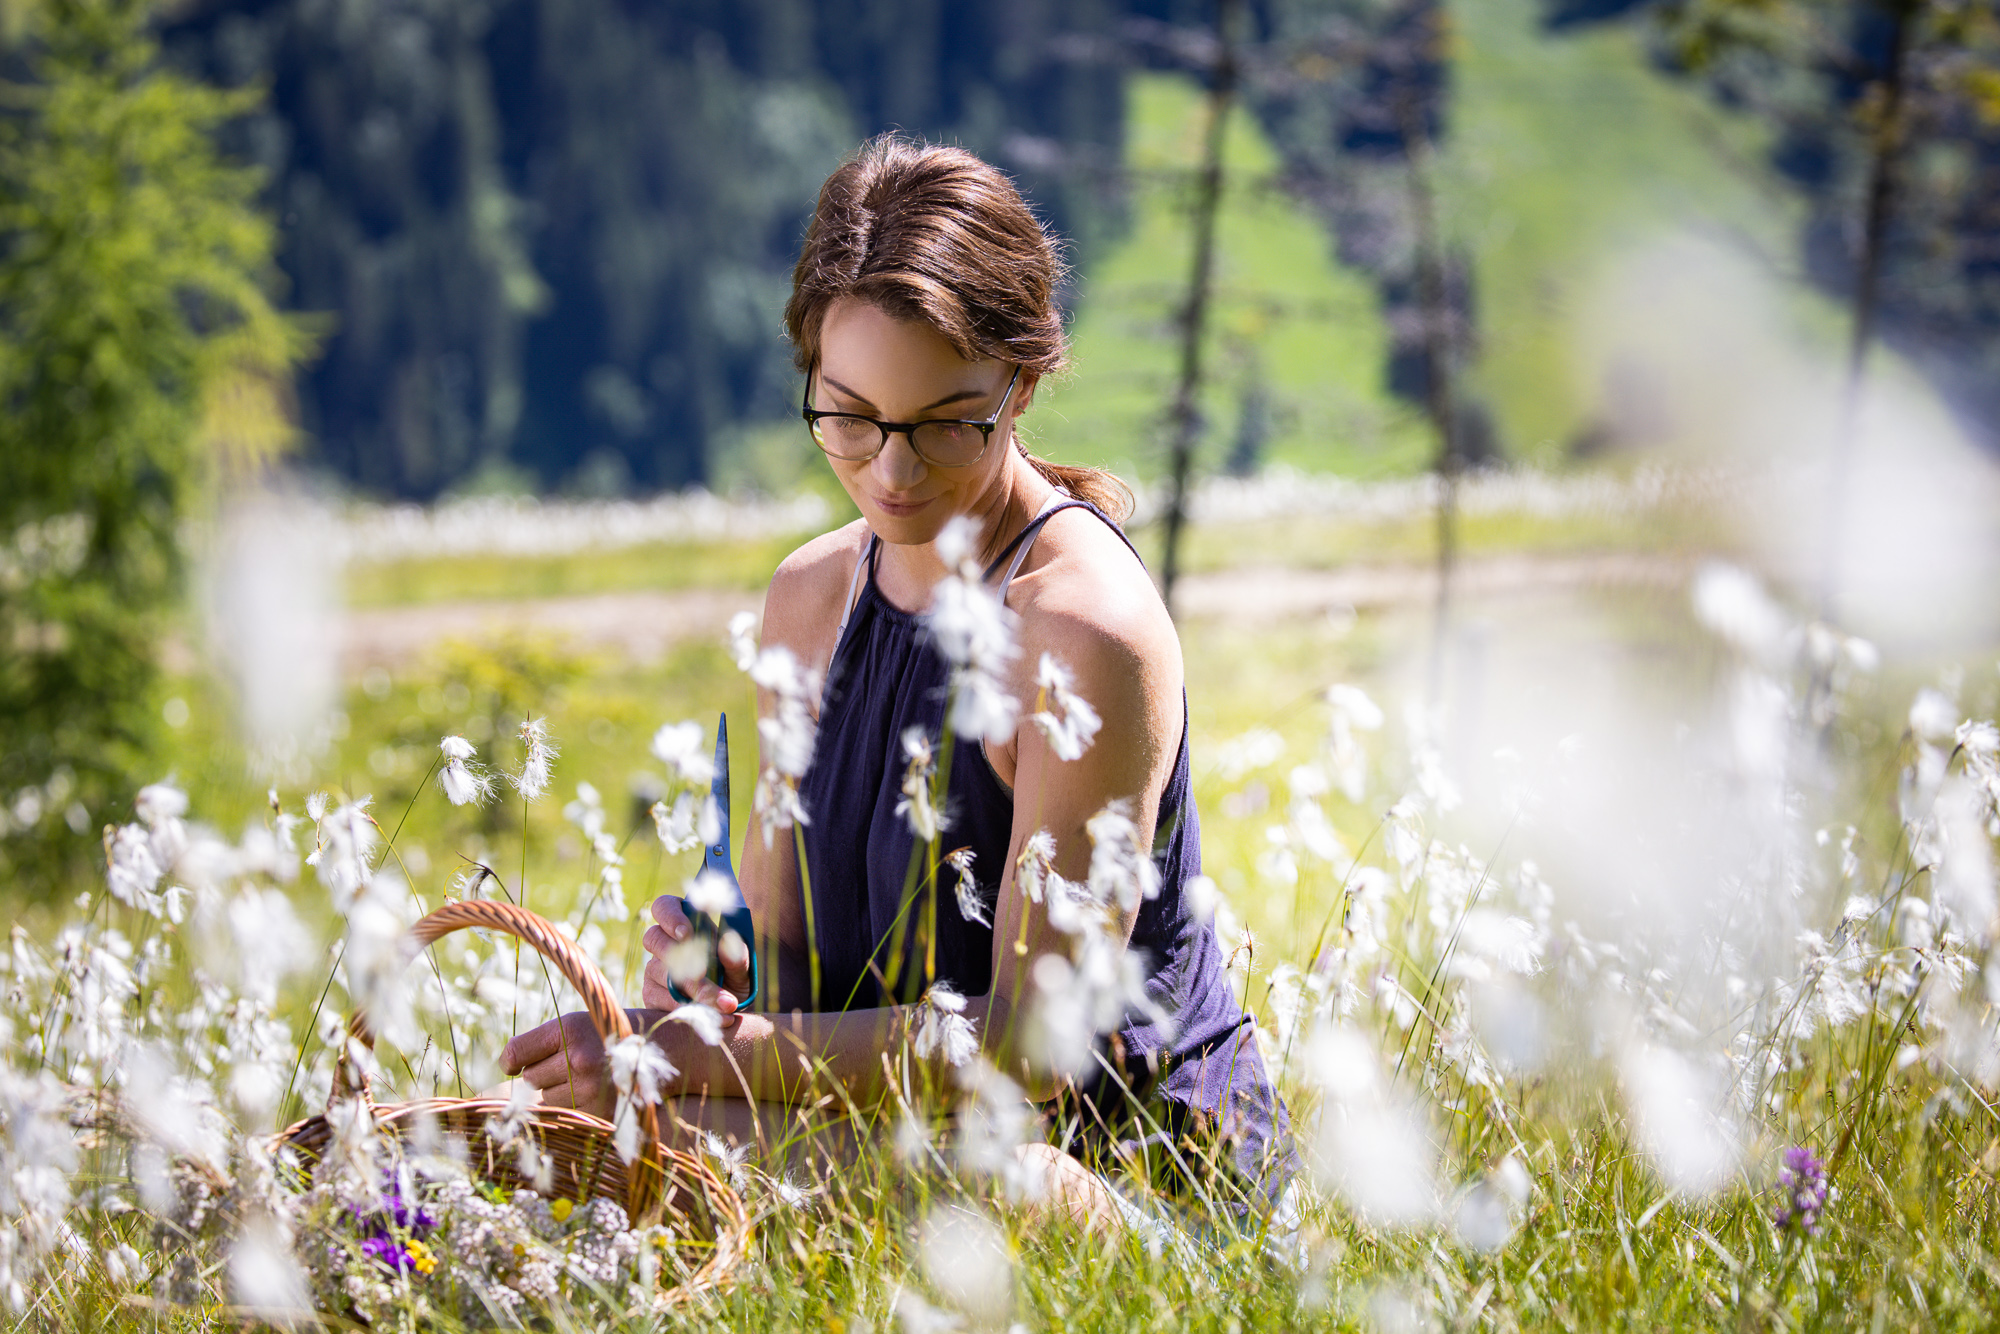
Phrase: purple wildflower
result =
(387, 1251)
(1802, 1179)
(388, 1232)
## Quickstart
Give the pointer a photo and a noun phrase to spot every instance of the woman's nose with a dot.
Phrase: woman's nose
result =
(897, 466)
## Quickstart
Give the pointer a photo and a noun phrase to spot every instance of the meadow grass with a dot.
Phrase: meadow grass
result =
(1555, 1192)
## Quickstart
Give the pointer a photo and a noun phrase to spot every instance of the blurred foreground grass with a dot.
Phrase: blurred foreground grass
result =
(1599, 1241)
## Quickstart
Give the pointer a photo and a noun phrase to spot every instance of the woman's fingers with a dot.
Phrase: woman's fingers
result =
(564, 1084)
(674, 953)
(527, 1048)
(564, 1058)
(670, 919)
(735, 955)
(653, 993)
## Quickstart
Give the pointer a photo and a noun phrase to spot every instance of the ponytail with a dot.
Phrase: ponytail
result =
(1099, 486)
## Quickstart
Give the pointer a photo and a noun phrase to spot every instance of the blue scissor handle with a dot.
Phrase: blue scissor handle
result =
(709, 927)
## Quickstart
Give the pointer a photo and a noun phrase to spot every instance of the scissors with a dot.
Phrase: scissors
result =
(709, 927)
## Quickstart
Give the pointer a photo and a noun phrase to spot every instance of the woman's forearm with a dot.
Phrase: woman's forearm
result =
(788, 1058)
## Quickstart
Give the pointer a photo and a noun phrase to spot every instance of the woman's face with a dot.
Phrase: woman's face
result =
(895, 370)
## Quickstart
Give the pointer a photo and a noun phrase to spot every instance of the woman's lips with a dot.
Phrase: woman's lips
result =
(899, 508)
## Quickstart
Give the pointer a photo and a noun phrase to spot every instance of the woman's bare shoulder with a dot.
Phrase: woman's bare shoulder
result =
(807, 589)
(1081, 582)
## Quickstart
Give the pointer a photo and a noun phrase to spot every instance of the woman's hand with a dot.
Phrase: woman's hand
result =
(564, 1058)
(670, 929)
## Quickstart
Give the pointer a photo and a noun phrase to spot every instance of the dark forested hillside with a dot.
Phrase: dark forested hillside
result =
(1885, 118)
(555, 235)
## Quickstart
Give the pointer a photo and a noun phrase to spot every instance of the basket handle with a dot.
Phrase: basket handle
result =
(606, 1014)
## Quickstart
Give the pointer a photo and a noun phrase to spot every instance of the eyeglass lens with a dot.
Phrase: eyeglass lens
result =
(947, 444)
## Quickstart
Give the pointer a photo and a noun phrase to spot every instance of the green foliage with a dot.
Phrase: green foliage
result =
(139, 356)
(559, 234)
(1299, 341)
(1883, 121)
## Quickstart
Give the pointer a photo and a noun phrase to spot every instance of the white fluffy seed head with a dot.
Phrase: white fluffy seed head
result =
(967, 1260)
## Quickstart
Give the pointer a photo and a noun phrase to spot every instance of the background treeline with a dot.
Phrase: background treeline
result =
(551, 238)
(555, 236)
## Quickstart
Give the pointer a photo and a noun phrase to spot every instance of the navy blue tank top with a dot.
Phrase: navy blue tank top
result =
(886, 676)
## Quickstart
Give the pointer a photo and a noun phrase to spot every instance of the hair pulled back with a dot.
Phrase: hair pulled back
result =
(933, 233)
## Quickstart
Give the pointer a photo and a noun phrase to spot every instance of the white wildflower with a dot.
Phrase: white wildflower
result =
(538, 767)
(376, 960)
(705, 1020)
(727, 1158)
(942, 1028)
(742, 645)
(160, 802)
(971, 626)
(675, 824)
(1036, 864)
(131, 872)
(981, 708)
(993, 1122)
(1933, 716)
(1073, 724)
(270, 941)
(1965, 873)
(787, 734)
(1201, 895)
(1372, 1148)
(1489, 1211)
(975, 632)
(1351, 710)
(345, 849)
(464, 782)
(265, 1279)
(638, 1068)
(970, 906)
(1240, 756)
(918, 1316)
(710, 892)
(687, 961)
(966, 1260)
(679, 747)
(1734, 606)
(916, 806)
(1679, 1111)
(1121, 867)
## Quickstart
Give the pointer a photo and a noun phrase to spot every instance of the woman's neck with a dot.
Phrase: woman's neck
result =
(1002, 510)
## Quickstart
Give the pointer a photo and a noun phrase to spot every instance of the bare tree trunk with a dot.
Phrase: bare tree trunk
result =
(1185, 413)
(1886, 143)
(1440, 398)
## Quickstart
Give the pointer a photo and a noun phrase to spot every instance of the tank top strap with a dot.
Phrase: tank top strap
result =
(862, 562)
(1018, 549)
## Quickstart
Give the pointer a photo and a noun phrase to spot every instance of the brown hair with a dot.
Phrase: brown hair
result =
(933, 233)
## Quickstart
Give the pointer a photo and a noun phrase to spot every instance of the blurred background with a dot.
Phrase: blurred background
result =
(376, 369)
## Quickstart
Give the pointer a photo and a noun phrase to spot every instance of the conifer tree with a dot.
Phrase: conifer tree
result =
(139, 358)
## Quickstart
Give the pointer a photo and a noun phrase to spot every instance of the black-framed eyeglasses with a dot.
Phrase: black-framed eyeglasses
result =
(942, 444)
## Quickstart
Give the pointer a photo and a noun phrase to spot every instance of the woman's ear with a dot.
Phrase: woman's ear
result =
(1024, 395)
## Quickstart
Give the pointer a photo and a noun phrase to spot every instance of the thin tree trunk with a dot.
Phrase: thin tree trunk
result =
(1440, 398)
(1185, 413)
(1886, 143)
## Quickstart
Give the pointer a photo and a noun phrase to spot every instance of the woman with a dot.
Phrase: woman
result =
(924, 316)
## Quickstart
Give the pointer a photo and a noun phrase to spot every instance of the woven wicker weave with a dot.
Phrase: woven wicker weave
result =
(662, 1185)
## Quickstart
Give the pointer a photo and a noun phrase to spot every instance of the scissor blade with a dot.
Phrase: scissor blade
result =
(716, 856)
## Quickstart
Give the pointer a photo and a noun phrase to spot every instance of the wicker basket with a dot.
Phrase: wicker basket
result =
(662, 1185)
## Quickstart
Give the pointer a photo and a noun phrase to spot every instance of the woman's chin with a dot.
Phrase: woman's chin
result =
(907, 525)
